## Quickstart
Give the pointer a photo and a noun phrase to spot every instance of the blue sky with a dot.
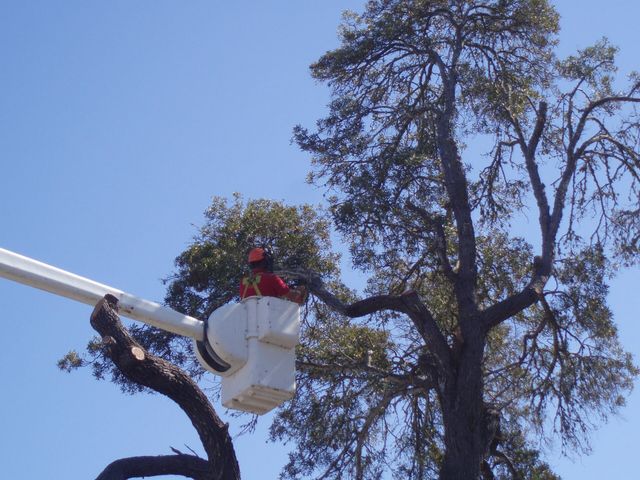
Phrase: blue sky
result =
(118, 122)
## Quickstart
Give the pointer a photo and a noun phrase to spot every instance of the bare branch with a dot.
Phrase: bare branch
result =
(135, 467)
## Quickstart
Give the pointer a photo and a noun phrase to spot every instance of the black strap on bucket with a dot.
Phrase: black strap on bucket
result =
(208, 355)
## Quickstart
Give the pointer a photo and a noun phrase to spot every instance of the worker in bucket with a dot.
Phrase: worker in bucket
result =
(262, 282)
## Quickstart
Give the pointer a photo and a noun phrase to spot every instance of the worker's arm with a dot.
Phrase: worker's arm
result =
(297, 295)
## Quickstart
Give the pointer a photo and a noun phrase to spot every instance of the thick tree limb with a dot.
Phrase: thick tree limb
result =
(507, 308)
(153, 372)
(541, 122)
(457, 193)
(408, 303)
(136, 467)
(510, 306)
(529, 151)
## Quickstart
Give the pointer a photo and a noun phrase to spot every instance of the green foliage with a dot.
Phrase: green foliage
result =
(71, 361)
(351, 381)
(411, 83)
(593, 64)
(377, 146)
(209, 271)
(568, 365)
(519, 461)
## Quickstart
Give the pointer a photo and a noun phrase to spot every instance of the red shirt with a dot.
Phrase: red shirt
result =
(262, 283)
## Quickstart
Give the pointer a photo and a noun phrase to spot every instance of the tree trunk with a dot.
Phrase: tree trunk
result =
(466, 431)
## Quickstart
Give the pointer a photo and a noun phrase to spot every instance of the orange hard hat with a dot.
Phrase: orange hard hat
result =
(256, 255)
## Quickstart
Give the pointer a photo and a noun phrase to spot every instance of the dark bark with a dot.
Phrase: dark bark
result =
(460, 391)
(408, 303)
(135, 467)
(157, 374)
(457, 190)
(467, 433)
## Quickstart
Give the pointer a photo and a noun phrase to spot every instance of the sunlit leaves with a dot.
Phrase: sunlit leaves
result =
(209, 271)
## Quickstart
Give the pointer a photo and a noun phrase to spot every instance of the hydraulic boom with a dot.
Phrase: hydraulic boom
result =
(36, 274)
(250, 344)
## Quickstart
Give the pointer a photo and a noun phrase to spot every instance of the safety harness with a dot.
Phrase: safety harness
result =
(252, 281)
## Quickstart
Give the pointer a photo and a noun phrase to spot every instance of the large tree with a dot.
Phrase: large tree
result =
(451, 123)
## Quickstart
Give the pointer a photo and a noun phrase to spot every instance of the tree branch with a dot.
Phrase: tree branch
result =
(573, 156)
(136, 467)
(510, 306)
(538, 129)
(529, 151)
(441, 240)
(156, 373)
(408, 303)
(507, 308)
(457, 192)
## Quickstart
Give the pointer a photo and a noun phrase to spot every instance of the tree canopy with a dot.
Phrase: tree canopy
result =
(507, 325)
(454, 132)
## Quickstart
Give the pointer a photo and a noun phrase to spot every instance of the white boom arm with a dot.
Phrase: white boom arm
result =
(250, 344)
(51, 279)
